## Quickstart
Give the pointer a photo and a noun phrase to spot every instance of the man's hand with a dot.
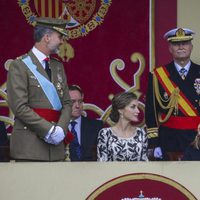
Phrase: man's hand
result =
(58, 135)
(55, 135)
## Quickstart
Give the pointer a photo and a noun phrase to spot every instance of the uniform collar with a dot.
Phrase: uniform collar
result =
(39, 55)
(178, 67)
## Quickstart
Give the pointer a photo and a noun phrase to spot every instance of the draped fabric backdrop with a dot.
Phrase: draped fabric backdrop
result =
(110, 46)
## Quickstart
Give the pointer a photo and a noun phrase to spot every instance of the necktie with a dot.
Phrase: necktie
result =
(47, 69)
(182, 73)
(75, 148)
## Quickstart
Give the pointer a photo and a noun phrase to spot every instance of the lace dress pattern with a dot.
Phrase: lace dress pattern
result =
(113, 148)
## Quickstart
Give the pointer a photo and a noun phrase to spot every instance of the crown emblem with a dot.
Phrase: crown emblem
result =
(82, 17)
(141, 196)
(180, 32)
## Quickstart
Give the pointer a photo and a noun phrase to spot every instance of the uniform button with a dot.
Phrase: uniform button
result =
(25, 127)
(38, 86)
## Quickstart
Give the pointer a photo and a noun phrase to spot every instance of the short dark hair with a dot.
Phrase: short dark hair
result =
(75, 87)
(120, 101)
(40, 31)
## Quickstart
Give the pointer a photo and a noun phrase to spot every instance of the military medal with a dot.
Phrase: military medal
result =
(61, 93)
(59, 78)
(59, 89)
(197, 85)
(58, 86)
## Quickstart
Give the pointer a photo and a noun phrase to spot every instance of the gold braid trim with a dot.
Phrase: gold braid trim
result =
(172, 101)
(152, 135)
(152, 132)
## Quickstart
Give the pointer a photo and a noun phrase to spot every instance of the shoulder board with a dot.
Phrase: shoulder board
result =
(22, 57)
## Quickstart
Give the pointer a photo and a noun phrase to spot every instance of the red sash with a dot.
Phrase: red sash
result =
(184, 104)
(48, 114)
(182, 123)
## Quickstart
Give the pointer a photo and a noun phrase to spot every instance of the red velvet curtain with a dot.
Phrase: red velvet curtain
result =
(121, 39)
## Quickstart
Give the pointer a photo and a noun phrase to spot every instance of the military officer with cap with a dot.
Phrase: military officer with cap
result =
(38, 96)
(173, 99)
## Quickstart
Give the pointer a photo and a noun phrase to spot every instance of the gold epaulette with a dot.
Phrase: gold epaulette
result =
(152, 132)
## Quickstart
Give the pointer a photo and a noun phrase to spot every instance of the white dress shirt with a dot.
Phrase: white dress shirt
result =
(187, 67)
(39, 55)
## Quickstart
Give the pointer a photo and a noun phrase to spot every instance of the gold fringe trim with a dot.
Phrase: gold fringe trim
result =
(172, 102)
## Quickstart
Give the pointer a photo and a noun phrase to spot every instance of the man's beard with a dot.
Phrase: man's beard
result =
(54, 50)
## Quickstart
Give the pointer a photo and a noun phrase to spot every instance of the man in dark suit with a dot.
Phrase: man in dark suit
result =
(39, 98)
(86, 129)
(172, 102)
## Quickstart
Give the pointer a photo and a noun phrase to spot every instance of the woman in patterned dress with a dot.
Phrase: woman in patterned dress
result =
(123, 141)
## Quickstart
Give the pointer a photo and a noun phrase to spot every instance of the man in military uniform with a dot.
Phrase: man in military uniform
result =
(39, 98)
(173, 99)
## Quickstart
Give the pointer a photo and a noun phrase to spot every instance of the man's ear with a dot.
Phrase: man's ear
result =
(46, 37)
(170, 47)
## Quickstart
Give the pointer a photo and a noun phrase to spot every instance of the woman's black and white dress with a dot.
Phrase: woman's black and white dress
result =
(113, 148)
